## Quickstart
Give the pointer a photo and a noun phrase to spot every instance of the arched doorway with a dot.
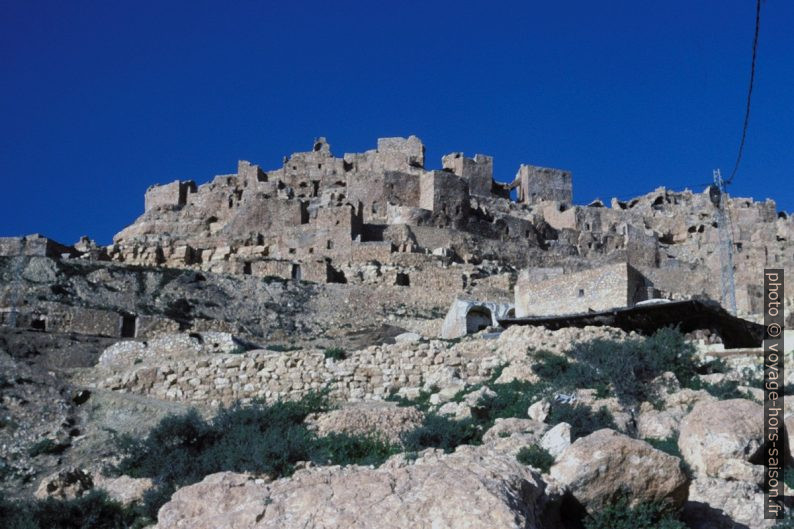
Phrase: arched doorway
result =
(477, 319)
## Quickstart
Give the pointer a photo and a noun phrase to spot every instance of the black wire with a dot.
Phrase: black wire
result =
(749, 92)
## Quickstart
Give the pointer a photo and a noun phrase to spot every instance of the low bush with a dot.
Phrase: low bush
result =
(258, 438)
(438, 431)
(46, 446)
(723, 390)
(344, 449)
(90, 511)
(337, 353)
(422, 402)
(512, 399)
(670, 446)
(280, 348)
(536, 457)
(625, 366)
(619, 515)
(582, 419)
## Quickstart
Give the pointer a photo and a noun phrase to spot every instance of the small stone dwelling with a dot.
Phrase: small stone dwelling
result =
(548, 292)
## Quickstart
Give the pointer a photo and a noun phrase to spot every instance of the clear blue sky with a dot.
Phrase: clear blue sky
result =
(100, 99)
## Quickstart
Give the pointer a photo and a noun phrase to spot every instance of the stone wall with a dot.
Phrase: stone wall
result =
(173, 194)
(33, 245)
(536, 184)
(602, 288)
(369, 374)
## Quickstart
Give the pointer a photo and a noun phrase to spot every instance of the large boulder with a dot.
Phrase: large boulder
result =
(715, 433)
(384, 419)
(597, 468)
(475, 488)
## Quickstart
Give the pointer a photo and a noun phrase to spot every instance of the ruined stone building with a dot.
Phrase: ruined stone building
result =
(384, 218)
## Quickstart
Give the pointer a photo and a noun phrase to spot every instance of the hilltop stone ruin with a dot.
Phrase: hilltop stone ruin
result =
(382, 219)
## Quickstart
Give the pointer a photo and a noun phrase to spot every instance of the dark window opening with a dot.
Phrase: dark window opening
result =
(296, 272)
(581, 292)
(291, 250)
(38, 324)
(402, 280)
(330, 245)
(247, 269)
(128, 324)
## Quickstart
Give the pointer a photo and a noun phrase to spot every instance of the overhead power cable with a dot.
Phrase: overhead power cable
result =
(749, 93)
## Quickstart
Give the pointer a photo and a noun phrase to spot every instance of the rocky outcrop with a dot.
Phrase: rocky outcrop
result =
(716, 434)
(598, 467)
(473, 488)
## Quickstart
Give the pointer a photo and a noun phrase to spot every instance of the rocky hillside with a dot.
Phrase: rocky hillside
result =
(526, 428)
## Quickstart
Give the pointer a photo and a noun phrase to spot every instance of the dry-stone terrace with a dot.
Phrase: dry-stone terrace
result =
(372, 373)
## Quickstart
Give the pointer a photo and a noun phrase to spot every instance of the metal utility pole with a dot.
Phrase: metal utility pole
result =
(718, 195)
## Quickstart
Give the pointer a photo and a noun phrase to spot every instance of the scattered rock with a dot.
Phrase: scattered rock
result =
(365, 418)
(503, 428)
(539, 410)
(518, 370)
(407, 337)
(556, 440)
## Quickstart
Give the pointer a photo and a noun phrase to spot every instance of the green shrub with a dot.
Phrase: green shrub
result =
(422, 402)
(512, 399)
(438, 431)
(535, 456)
(626, 366)
(723, 390)
(670, 446)
(337, 353)
(259, 438)
(280, 348)
(46, 446)
(344, 449)
(619, 515)
(90, 511)
(582, 419)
